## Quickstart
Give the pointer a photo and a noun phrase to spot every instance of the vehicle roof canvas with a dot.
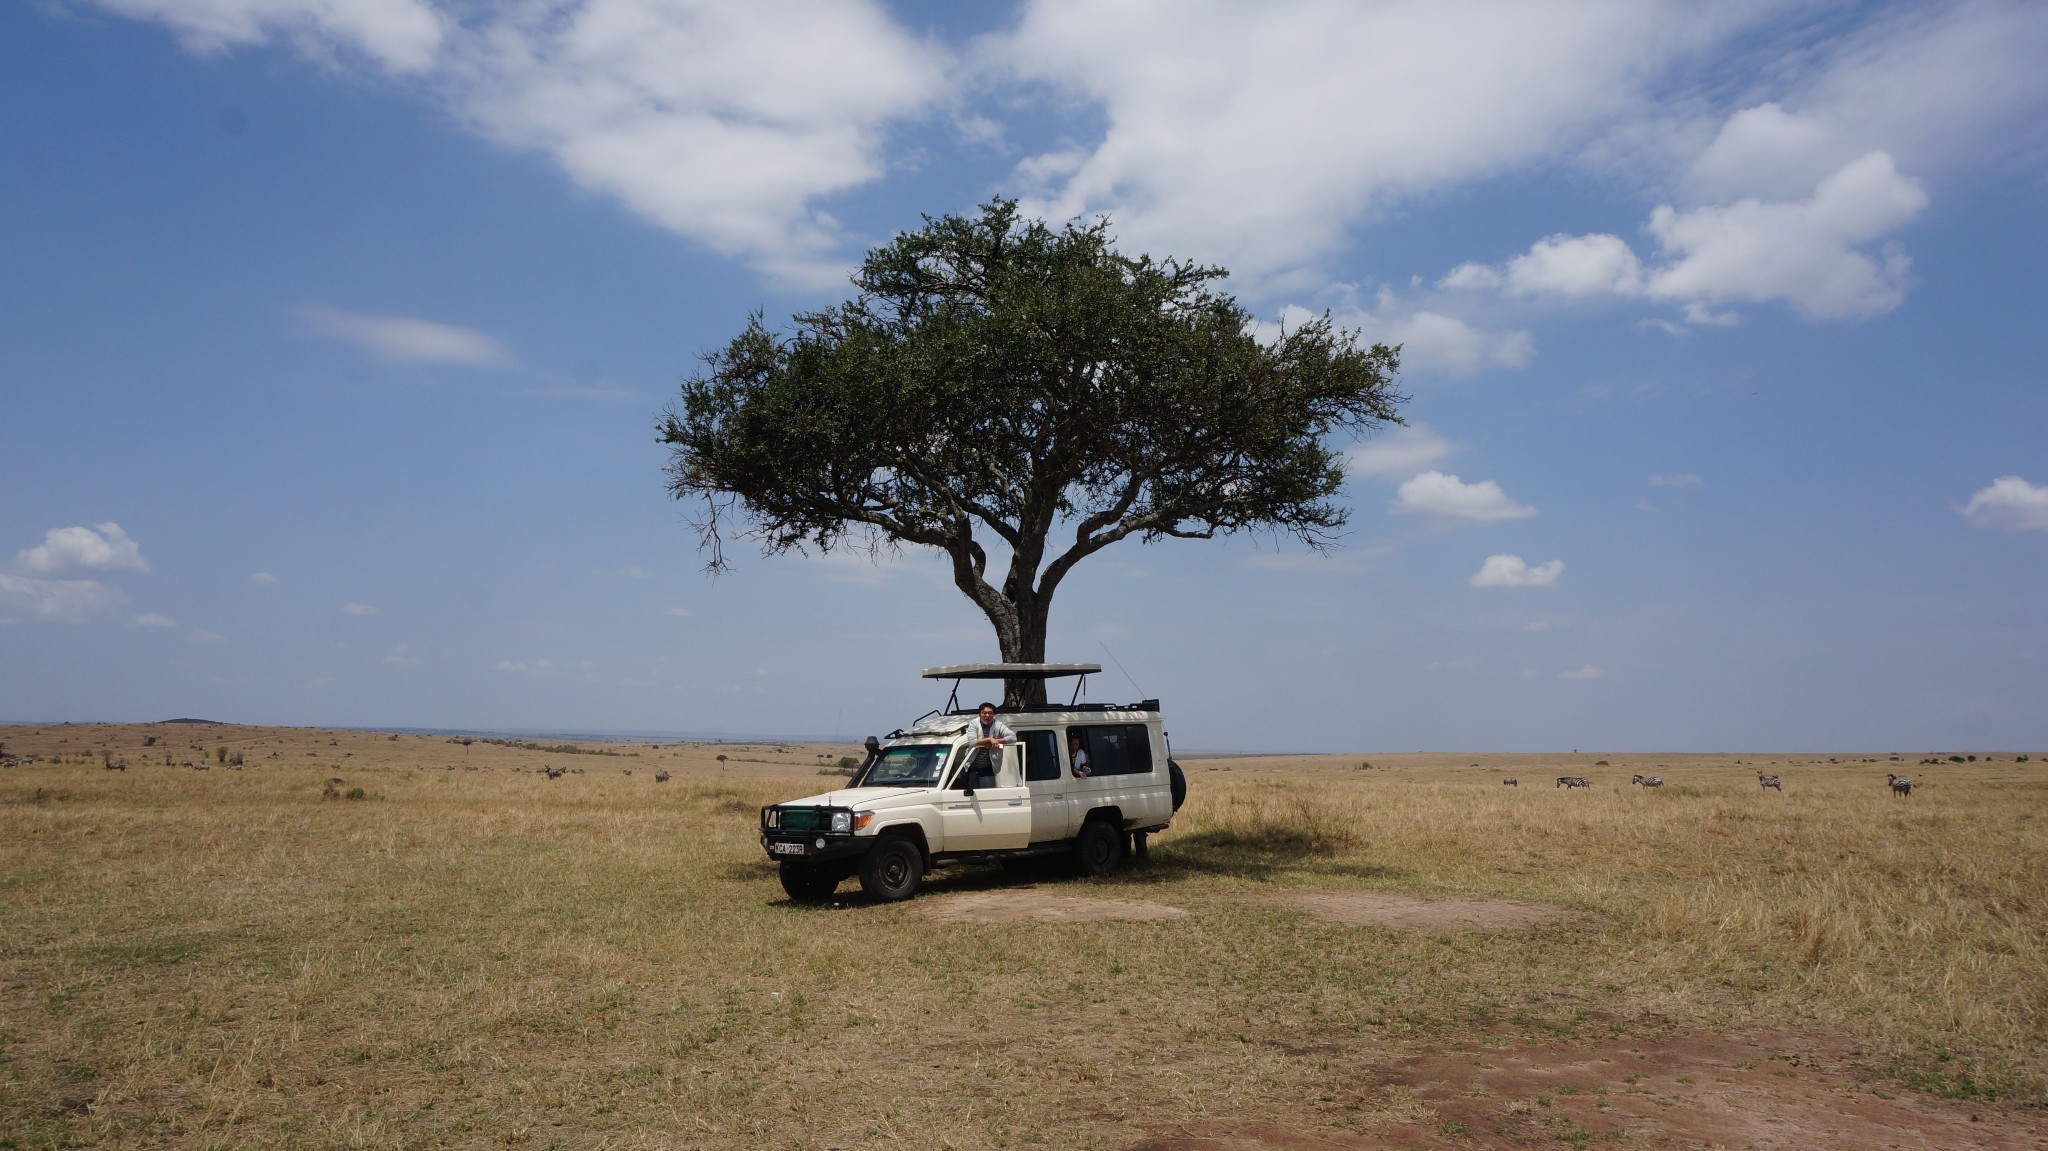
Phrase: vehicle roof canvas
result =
(1012, 670)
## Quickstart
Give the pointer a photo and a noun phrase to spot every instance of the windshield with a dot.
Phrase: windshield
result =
(914, 766)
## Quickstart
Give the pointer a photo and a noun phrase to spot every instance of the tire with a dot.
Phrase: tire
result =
(1099, 848)
(807, 882)
(893, 871)
(1178, 779)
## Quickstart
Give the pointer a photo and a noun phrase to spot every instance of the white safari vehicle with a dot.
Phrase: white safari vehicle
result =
(915, 805)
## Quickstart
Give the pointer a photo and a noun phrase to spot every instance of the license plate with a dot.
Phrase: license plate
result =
(786, 849)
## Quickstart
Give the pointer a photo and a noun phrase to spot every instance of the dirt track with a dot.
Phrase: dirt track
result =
(1797, 1093)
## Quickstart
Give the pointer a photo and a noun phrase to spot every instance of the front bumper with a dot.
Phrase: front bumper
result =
(815, 846)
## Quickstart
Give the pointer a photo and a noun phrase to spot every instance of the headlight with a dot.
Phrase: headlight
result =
(842, 822)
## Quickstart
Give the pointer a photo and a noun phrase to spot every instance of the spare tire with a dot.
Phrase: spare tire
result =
(1179, 781)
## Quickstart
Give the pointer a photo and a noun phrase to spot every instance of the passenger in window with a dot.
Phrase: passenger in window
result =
(1079, 755)
(990, 735)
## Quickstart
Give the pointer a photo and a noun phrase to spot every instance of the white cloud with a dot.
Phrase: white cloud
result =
(67, 549)
(1437, 494)
(1256, 134)
(62, 600)
(201, 635)
(401, 656)
(152, 619)
(510, 665)
(358, 609)
(1431, 342)
(1807, 253)
(720, 122)
(1937, 85)
(1575, 266)
(1512, 571)
(1401, 452)
(1586, 672)
(1683, 481)
(2011, 504)
(403, 340)
(1803, 252)
(401, 35)
(263, 579)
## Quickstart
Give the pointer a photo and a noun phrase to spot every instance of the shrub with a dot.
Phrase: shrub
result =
(355, 793)
(149, 741)
(2019, 759)
(220, 754)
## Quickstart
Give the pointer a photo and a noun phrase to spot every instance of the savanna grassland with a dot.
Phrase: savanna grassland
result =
(356, 940)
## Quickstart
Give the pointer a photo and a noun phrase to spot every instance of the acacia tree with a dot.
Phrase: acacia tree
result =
(999, 386)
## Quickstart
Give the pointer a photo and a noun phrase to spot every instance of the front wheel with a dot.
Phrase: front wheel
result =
(807, 882)
(892, 871)
(1099, 847)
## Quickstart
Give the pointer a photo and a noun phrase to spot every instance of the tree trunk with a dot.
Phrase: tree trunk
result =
(1026, 645)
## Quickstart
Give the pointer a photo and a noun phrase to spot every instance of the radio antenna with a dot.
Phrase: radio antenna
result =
(1120, 667)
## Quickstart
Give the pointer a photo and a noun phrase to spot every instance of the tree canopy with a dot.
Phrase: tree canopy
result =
(999, 386)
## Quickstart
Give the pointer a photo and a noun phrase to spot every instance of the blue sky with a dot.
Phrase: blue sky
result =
(332, 336)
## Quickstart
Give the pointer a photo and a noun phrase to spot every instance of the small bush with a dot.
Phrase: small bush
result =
(149, 741)
(2019, 759)
(1955, 759)
(220, 754)
(355, 793)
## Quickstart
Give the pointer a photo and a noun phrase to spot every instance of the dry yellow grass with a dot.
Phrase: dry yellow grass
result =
(473, 954)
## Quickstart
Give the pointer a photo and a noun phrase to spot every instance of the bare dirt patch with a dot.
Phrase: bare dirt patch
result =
(1427, 915)
(1029, 905)
(1783, 1092)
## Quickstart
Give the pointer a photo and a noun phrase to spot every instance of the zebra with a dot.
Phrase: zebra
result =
(1648, 780)
(1900, 784)
(1569, 781)
(1511, 781)
(661, 777)
(1769, 782)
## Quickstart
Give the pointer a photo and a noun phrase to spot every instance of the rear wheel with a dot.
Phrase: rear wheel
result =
(892, 871)
(808, 882)
(1099, 847)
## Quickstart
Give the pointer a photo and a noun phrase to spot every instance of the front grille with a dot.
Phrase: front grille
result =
(802, 819)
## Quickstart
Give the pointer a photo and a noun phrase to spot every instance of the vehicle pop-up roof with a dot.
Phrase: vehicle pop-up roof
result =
(1046, 671)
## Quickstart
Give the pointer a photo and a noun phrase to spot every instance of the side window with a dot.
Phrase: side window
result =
(1118, 749)
(1041, 755)
(1139, 739)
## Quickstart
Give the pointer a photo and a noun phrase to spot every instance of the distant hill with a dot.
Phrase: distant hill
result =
(211, 722)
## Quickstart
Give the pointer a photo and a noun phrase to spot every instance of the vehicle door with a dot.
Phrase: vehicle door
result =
(997, 816)
(1052, 809)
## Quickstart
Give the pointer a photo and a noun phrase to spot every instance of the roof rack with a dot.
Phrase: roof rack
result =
(961, 671)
